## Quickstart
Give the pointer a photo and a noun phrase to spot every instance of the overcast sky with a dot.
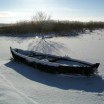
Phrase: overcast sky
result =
(81, 10)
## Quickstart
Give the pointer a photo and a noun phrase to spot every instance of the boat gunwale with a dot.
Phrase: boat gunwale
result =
(50, 62)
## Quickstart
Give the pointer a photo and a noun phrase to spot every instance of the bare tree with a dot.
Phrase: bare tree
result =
(42, 20)
(41, 17)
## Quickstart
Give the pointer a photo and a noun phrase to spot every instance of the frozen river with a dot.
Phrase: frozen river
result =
(20, 84)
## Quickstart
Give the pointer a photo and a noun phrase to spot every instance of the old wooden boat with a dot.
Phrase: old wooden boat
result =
(54, 64)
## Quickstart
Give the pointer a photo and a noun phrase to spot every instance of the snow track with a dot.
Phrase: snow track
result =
(18, 91)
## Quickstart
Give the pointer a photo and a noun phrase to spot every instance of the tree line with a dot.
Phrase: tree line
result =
(42, 23)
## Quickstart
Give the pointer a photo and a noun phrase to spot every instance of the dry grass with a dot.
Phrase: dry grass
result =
(57, 27)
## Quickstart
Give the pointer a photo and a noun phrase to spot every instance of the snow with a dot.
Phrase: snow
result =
(21, 84)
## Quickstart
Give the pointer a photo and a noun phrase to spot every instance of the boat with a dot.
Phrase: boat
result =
(54, 64)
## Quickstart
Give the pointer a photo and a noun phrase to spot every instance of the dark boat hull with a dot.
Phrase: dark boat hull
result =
(60, 69)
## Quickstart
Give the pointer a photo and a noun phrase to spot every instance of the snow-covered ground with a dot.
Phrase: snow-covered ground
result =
(20, 84)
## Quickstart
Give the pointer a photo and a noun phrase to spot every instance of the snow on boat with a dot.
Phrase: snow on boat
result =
(54, 64)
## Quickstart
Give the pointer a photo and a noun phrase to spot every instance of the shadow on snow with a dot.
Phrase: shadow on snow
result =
(87, 84)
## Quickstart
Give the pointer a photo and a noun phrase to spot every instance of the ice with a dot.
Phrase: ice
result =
(21, 84)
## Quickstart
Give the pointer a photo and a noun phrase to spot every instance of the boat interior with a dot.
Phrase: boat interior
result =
(52, 58)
